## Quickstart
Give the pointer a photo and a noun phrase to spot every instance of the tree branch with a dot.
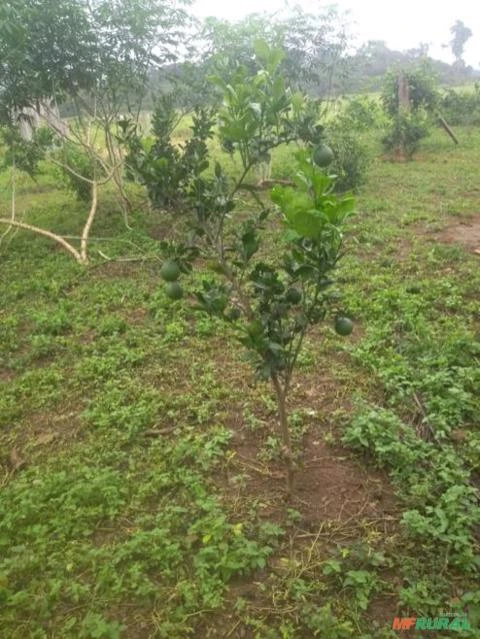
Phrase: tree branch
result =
(53, 236)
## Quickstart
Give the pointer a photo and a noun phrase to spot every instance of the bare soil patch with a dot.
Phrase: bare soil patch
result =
(465, 232)
(40, 433)
(337, 499)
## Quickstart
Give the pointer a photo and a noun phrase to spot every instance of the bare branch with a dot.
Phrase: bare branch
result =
(82, 177)
(89, 222)
(53, 236)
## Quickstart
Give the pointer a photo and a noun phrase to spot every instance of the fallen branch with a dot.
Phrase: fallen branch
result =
(52, 236)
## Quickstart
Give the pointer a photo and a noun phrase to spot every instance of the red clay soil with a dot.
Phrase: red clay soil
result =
(466, 232)
(335, 495)
(329, 484)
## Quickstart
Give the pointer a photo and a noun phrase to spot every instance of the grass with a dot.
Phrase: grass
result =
(141, 488)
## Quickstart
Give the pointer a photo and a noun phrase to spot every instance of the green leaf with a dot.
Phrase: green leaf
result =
(261, 49)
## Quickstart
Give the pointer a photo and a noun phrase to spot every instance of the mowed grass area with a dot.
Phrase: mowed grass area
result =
(141, 486)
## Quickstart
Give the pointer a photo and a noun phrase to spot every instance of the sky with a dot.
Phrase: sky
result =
(403, 24)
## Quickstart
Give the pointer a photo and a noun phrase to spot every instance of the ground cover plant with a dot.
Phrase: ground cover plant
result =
(142, 490)
(142, 470)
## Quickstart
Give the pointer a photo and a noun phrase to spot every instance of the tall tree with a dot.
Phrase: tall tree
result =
(313, 45)
(460, 36)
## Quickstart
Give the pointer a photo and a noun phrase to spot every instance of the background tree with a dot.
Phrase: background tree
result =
(410, 98)
(460, 36)
(96, 55)
(314, 46)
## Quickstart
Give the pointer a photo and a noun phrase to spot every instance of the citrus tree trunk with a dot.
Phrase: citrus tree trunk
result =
(284, 430)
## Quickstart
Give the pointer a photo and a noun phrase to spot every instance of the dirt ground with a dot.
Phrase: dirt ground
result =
(466, 232)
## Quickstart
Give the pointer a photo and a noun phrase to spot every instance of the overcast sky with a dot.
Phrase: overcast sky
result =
(403, 24)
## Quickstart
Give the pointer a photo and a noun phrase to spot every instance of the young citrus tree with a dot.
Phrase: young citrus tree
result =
(411, 121)
(271, 286)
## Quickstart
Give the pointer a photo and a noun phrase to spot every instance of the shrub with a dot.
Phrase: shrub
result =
(405, 132)
(423, 92)
(459, 107)
(363, 113)
(352, 157)
(409, 124)
(166, 169)
(73, 157)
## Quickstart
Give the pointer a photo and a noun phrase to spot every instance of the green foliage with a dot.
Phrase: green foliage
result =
(57, 517)
(24, 154)
(167, 170)
(79, 169)
(409, 125)
(312, 45)
(81, 50)
(422, 90)
(28, 65)
(352, 157)
(404, 133)
(461, 107)
(94, 626)
(442, 506)
(280, 300)
(260, 113)
(363, 113)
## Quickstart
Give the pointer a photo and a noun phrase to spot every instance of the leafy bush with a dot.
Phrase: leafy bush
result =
(461, 107)
(408, 125)
(405, 132)
(363, 113)
(82, 166)
(423, 92)
(166, 169)
(352, 157)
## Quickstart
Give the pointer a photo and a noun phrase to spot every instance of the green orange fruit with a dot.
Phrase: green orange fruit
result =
(173, 290)
(323, 155)
(343, 325)
(170, 271)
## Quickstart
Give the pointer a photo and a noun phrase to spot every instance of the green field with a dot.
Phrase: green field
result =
(142, 494)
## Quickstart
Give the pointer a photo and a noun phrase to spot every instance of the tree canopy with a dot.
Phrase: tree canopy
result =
(68, 49)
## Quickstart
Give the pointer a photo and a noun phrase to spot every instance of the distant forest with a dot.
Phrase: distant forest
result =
(361, 72)
(317, 57)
